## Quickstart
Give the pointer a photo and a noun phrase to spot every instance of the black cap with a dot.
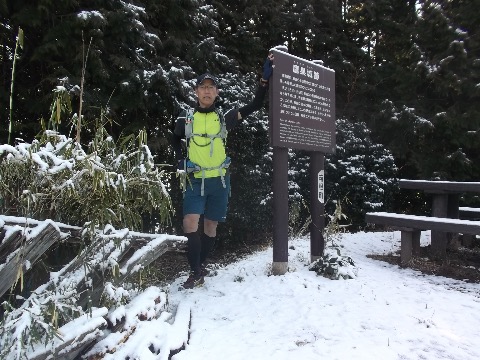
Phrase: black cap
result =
(206, 76)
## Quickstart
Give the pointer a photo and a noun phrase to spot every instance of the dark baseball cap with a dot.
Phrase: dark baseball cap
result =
(206, 76)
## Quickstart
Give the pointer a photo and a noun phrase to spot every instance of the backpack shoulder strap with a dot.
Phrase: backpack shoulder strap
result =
(223, 126)
(188, 123)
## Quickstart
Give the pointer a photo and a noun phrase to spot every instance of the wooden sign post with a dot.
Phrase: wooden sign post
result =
(302, 116)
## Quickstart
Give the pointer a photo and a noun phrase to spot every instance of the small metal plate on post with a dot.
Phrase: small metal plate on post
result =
(321, 187)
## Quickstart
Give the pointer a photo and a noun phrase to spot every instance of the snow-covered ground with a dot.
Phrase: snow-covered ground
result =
(385, 313)
(243, 312)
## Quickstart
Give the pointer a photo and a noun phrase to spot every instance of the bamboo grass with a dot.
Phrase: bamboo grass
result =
(19, 43)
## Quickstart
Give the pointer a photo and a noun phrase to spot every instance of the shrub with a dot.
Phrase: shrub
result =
(109, 183)
(332, 264)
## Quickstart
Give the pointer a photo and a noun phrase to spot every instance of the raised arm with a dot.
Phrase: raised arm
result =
(257, 102)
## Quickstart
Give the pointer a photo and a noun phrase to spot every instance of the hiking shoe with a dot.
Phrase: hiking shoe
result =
(194, 280)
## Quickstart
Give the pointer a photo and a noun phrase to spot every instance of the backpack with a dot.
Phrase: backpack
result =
(189, 129)
(189, 166)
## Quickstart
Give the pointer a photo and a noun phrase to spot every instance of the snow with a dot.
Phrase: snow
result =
(23, 221)
(441, 182)
(70, 330)
(150, 247)
(283, 49)
(243, 311)
(466, 208)
(386, 312)
(85, 15)
(427, 218)
(144, 304)
(133, 8)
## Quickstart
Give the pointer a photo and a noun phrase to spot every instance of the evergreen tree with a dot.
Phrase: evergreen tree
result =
(57, 38)
(361, 174)
(347, 56)
(452, 94)
(133, 69)
(408, 69)
(429, 119)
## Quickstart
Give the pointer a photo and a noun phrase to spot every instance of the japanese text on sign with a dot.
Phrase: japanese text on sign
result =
(303, 105)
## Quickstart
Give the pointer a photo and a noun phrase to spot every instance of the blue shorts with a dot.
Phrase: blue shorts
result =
(214, 202)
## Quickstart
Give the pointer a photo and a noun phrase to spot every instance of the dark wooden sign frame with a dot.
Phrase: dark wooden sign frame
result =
(301, 116)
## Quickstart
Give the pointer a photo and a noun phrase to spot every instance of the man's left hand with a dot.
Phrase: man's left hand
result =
(268, 68)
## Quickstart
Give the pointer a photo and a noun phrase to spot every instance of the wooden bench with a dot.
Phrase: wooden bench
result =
(412, 225)
(445, 204)
(468, 213)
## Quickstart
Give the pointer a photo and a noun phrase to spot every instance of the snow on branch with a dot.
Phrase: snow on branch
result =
(69, 312)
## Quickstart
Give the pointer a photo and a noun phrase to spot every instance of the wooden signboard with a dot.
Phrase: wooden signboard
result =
(301, 116)
(302, 103)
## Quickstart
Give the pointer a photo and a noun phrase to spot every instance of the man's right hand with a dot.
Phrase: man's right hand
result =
(181, 165)
(187, 165)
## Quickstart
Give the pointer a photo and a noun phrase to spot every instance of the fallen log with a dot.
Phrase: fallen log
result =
(74, 337)
(111, 257)
(153, 329)
(24, 222)
(22, 248)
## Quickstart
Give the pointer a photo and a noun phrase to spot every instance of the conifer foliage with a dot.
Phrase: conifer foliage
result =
(361, 174)
(407, 102)
(408, 70)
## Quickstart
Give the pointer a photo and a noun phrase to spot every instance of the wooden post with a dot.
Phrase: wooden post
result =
(406, 247)
(317, 205)
(439, 239)
(416, 242)
(280, 211)
(453, 239)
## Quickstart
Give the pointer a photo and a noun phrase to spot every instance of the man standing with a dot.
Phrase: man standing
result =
(206, 164)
